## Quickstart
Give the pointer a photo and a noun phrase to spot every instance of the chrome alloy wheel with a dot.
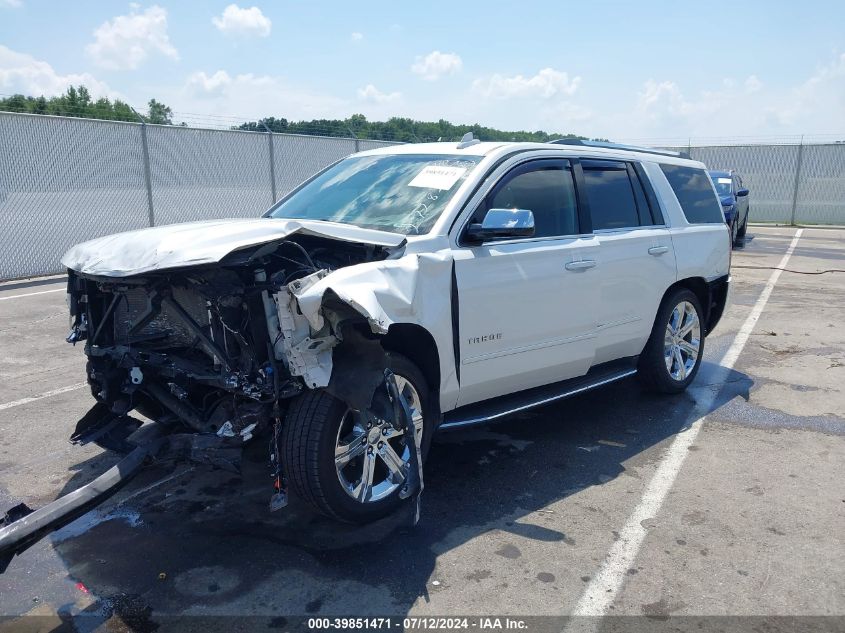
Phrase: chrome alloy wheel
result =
(371, 459)
(682, 342)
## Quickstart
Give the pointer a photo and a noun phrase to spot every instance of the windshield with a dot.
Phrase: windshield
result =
(401, 193)
(723, 185)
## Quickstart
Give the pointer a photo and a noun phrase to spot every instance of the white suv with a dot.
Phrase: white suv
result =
(488, 277)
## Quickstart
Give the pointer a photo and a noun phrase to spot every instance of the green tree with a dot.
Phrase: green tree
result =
(159, 113)
(77, 102)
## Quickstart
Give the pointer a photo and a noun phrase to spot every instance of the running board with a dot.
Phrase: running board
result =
(481, 412)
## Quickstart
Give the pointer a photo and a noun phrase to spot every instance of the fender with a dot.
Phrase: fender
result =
(414, 288)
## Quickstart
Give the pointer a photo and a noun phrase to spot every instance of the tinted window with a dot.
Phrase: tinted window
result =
(695, 194)
(548, 192)
(611, 197)
(653, 203)
(646, 218)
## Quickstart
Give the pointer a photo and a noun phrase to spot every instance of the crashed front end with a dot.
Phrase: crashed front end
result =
(215, 348)
(211, 353)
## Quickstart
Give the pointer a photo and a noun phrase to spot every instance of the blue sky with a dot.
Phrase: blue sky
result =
(622, 70)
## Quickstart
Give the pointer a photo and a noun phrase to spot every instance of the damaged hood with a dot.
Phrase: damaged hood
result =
(197, 243)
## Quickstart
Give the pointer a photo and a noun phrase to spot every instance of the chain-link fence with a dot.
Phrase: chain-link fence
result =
(66, 180)
(793, 184)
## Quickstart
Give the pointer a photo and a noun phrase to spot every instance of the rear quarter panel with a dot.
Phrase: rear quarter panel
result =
(701, 250)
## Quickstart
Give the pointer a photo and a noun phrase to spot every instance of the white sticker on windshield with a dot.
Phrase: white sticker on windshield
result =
(441, 177)
(723, 181)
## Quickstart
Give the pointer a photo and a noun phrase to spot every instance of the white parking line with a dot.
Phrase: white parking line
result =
(40, 396)
(32, 294)
(602, 589)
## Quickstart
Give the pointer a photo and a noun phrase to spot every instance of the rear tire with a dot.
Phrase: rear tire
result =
(672, 356)
(742, 229)
(735, 239)
(318, 425)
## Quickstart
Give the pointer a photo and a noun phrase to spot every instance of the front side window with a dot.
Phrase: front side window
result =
(401, 193)
(695, 194)
(610, 195)
(547, 190)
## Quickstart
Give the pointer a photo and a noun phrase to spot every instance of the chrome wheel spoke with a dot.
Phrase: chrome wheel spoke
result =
(691, 348)
(691, 322)
(674, 321)
(682, 342)
(344, 453)
(679, 360)
(364, 488)
(669, 357)
(410, 395)
(393, 462)
(368, 467)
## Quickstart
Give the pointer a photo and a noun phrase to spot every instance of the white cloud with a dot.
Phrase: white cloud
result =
(373, 94)
(739, 108)
(662, 109)
(200, 83)
(817, 104)
(126, 41)
(752, 84)
(22, 73)
(436, 64)
(10, 4)
(357, 37)
(545, 84)
(561, 116)
(249, 22)
(662, 98)
(250, 96)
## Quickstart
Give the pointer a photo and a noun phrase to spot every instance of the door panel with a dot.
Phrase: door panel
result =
(636, 258)
(637, 265)
(525, 320)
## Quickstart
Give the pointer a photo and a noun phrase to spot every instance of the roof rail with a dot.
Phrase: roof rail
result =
(630, 148)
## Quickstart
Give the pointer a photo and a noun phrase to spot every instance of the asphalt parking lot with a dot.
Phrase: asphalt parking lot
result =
(728, 500)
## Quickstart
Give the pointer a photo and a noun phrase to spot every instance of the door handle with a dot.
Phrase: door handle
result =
(582, 264)
(658, 250)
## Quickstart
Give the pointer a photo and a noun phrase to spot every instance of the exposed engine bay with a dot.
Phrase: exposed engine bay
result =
(213, 348)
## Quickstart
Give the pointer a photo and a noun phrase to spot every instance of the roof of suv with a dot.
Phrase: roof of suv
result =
(504, 148)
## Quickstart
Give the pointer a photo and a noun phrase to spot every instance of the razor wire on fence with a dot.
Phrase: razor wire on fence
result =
(67, 180)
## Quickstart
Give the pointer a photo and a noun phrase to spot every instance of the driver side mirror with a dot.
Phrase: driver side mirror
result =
(741, 193)
(502, 224)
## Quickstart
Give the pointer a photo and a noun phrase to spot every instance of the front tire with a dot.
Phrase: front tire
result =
(672, 355)
(343, 468)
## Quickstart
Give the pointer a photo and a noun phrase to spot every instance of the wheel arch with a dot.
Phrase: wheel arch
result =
(418, 345)
(711, 295)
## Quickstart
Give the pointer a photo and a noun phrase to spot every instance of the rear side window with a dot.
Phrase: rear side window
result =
(610, 194)
(694, 191)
